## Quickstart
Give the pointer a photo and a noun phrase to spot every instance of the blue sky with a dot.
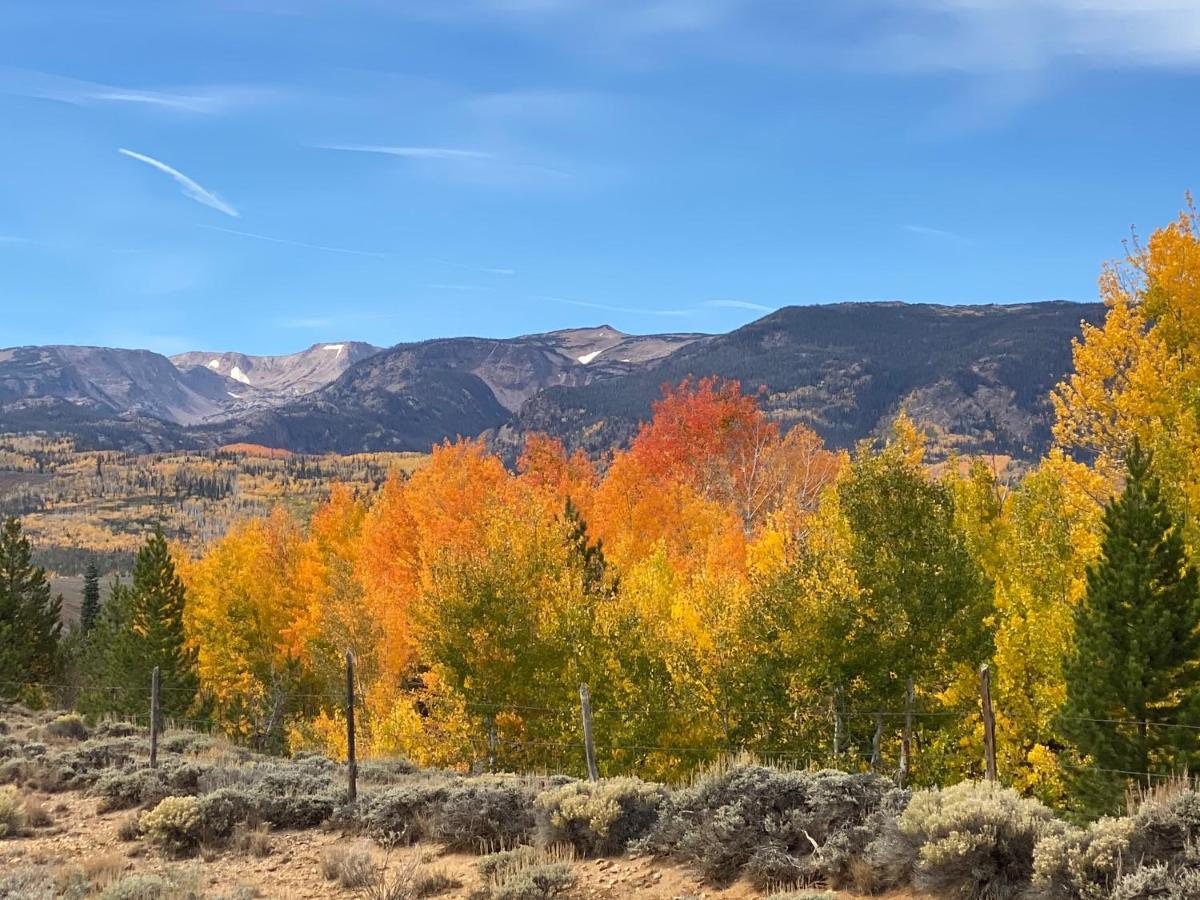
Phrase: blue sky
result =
(265, 174)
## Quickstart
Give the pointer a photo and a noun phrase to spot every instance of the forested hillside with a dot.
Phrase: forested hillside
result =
(84, 507)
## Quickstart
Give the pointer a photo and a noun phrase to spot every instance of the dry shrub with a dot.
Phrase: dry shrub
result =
(974, 840)
(599, 818)
(404, 814)
(12, 812)
(28, 882)
(481, 813)
(68, 727)
(1158, 882)
(175, 825)
(295, 794)
(147, 887)
(783, 828)
(1159, 842)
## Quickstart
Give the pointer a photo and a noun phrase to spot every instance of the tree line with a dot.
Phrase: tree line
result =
(721, 585)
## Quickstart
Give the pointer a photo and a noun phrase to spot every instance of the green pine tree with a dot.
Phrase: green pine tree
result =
(142, 627)
(1137, 644)
(30, 617)
(89, 611)
(596, 577)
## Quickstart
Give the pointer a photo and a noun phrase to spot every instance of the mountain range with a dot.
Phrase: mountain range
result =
(977, 375)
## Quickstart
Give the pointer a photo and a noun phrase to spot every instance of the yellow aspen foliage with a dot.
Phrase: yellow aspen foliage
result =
(1138, 375)
(243, 603)
(1034, 543)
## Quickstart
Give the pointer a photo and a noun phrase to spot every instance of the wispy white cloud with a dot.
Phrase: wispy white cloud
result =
(738, 304)
(481, 167)
(674, 313)
(190, 187)
(486, 270)
(290, 243)
(458, 287)
(940, 233)
(204, 100)
(305, 322)
(1021, 35)
(450, 154)
(635, 310)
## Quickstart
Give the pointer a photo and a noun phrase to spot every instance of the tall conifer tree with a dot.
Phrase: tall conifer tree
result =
(30, 616)
(142, 627)
(1136, 658)
(89, 611)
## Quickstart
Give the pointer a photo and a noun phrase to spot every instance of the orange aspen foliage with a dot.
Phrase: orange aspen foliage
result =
(545, 465)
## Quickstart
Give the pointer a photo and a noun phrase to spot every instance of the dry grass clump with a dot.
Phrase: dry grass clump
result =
(37, 815)
(130, 827)
(526, 873)
(350, 866)
(252, 841)
(93, 874)
(409, 881)
(353, 868)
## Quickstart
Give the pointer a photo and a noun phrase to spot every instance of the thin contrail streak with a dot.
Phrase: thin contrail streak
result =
(190, 187)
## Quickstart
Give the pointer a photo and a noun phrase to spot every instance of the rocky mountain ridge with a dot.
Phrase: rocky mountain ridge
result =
(978, 376)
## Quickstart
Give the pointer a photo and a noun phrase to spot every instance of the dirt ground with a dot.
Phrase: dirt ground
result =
(82, 843)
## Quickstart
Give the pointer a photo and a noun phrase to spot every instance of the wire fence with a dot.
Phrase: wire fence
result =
(566, 750)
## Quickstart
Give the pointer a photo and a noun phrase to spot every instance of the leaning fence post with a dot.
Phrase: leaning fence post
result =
(589, 748)
(906, 738)
(989, 723)
(351, 752)
(154, 717)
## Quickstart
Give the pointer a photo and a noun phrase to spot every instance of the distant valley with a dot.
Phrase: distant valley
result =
(976, 376)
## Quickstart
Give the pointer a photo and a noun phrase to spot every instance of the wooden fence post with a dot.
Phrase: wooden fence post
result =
(589, 748)
(989, 723)
(906, 738)
(837, 723)
(491, 742)
(351, 749)
(155, 715)
(877, 743)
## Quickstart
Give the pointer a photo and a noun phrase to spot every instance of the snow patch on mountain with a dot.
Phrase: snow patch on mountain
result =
(588, 357)
(238, 375)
